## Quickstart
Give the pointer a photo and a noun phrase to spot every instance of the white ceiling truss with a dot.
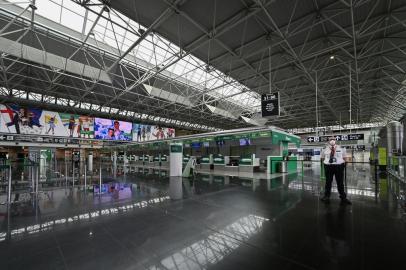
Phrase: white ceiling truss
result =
(204, 64)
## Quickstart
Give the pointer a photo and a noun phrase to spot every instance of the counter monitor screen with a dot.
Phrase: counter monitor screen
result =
(220, 142)
(195, 145)
(244, 142)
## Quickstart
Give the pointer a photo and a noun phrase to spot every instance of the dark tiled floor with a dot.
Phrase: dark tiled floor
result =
(219, 223)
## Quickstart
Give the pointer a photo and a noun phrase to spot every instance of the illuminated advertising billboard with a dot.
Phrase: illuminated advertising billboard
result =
(25, 120)
(78, 126)
(144, 133)
(107, 129)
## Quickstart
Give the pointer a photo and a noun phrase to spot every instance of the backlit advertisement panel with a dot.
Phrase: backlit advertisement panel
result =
(144, 133)
(107, 129)
(78, 126)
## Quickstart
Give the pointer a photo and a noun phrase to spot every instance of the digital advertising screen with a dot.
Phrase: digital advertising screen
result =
(27, 120)
(107, 129)
(78, 126)
(144, 133)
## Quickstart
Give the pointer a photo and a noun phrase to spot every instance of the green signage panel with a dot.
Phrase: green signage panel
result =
(281, 137)
(176, 148)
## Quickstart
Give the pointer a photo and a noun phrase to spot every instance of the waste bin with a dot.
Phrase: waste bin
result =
(283, 167)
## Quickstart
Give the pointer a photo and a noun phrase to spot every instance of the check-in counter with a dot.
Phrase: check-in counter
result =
(157, 161)
(146, 160)
(206, 162)
(164, 161)
(219, 162)
(134, 159)
(248, 163)
(140, 161)
(274, 162)
(231, 163)
(149, 161)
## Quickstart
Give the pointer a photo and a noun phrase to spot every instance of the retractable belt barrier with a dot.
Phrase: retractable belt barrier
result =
(322, 174)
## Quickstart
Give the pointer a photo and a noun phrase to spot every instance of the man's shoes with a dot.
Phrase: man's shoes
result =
(346, 202)
(325, 199)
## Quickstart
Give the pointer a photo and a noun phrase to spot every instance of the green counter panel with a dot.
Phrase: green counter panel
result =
(292, 164)
(274, 163)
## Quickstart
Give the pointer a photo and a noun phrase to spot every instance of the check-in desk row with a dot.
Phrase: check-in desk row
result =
(149, 170)
(246, 163)
(147, 160)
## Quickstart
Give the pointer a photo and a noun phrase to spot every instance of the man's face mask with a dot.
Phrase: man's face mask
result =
(332, 142)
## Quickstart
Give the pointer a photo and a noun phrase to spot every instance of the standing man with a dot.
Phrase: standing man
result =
(334, 158)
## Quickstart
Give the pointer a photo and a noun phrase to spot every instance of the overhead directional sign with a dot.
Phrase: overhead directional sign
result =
(338, 137)
(270, 104)
(354, 137)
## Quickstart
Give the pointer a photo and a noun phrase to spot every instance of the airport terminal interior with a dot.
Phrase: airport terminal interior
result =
(191, 134)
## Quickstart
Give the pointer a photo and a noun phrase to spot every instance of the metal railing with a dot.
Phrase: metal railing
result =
(397, 167)
(373, 166)
(31, 177)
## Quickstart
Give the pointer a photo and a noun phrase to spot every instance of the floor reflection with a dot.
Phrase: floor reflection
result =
(159, 222)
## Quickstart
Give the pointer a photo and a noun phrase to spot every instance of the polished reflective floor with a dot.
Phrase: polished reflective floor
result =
(142, 219)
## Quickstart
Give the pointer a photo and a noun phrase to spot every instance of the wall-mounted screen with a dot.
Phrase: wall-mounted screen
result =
(107, 129)
(245, 141)
(196, 145)
(220, 142)
(206, 144)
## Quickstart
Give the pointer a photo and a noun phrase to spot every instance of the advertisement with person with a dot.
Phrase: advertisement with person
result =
(78, 126)
(107, 129)
(23, 120)
(86, 124)
(159, 132)
(52, 124)
(143, 133)
(9, 120)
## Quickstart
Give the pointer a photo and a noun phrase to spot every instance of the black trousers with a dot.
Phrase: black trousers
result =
(338, 172)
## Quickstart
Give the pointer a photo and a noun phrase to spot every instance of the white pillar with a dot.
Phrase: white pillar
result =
(175, 159)
(90, 162)
(125, 158)
(115, 164)
(115, 158)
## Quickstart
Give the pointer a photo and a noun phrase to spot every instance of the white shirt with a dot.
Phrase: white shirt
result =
(339, 155)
